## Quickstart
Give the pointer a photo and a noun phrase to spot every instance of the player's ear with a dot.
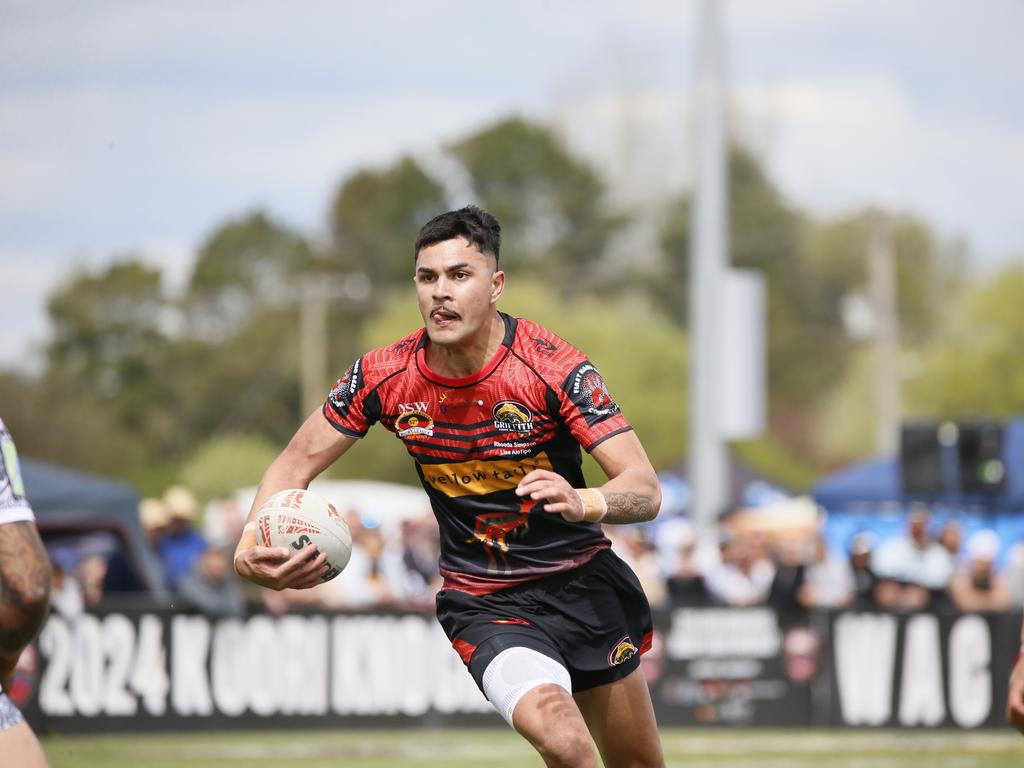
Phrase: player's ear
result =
(497, 285)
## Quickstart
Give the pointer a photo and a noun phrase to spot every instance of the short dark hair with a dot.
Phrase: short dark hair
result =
(473, 223)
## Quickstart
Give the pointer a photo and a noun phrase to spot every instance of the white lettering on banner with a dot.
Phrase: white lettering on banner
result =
(190, 643)
(415, 689)
(970, 674)
(149, 674)
(266, 663)
(87, 666)
(229, 668)
(865, 654)
(921, 699)
(119, 648)
(95, 667)
(719, 632)
(55, 646)
(303, 641)
(397, 665)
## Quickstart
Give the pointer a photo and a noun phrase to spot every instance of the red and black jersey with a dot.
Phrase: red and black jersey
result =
(534, 404)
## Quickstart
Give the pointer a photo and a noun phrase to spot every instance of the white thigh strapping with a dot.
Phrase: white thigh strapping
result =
(516, 671)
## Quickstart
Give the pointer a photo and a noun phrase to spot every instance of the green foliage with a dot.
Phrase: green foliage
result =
(771, 458)
(245, 267)
(976, 368)
(927, 271)
(375, 217)
(224, 464)
(106, 326)
(555, 222)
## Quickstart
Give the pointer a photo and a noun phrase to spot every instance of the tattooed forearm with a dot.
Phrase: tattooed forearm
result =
(628, 507)
(24, 587)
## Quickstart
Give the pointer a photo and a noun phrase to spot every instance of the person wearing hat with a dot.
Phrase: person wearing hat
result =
(182, 544)
(977, 586)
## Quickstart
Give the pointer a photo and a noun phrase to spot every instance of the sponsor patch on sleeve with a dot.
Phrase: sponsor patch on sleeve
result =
(587, 390)
(344, 392)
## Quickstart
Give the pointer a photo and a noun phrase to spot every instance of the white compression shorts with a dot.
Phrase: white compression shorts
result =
(515, 672)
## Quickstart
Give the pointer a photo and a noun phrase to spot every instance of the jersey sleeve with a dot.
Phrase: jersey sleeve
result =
(352, 407)
(587, 407)
(14, 507)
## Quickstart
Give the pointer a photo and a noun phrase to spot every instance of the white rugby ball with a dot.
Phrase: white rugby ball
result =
(297, 518)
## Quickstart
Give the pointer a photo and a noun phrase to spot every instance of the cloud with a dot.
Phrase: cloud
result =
(841, 144)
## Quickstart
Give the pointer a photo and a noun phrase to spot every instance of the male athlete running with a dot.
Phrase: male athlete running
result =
(494, 411)
(24, 598)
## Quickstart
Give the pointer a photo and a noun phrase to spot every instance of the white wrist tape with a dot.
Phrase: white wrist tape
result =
(595, 505)
(248, 528)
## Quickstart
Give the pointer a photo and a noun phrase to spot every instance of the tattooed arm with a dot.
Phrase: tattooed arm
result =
(24, 591)
(632, 491)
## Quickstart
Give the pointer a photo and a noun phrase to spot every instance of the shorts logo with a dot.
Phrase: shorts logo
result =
(622, 651)
(523, 622)
(414, 423)
(511, 416)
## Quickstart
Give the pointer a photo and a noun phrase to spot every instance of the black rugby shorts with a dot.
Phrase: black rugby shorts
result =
(594, 620)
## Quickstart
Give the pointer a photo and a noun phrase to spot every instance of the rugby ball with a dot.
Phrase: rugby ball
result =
(297, 518)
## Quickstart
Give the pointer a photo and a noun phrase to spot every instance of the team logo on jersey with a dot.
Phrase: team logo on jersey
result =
(402, 346)
(414, 422)
(586, 388)
(511, 416)
(420, 406)
(544, 346)
(621, 651)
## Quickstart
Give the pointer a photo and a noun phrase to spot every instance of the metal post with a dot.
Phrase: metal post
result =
(708, 458)
(882, 280)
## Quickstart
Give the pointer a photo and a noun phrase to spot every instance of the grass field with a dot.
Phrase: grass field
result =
(504, 749)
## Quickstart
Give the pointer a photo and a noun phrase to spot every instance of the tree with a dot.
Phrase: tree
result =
(374, 219)
(975, 368)
(246, 266)
(224, 464)
(551, 204)
(107, 339)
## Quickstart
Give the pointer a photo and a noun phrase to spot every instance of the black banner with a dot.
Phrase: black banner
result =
(141, 669)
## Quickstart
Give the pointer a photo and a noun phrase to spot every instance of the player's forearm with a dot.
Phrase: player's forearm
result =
(24, 589)
(632, 497)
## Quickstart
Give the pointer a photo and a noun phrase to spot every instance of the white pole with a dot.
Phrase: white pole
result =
(882, 281)
(709, 246)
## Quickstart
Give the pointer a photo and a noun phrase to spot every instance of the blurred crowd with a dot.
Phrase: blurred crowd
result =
(395, 566)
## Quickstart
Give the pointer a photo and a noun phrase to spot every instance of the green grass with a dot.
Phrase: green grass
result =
(504, 749)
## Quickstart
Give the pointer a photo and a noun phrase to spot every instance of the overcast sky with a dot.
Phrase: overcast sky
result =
(139, 127)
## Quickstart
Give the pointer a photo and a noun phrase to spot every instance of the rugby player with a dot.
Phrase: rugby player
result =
(495, 410)
(24, 598)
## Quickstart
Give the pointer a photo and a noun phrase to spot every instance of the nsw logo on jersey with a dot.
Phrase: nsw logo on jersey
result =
(414, 422)
(512, 416)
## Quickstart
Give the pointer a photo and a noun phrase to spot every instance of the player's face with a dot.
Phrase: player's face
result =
(458, 288)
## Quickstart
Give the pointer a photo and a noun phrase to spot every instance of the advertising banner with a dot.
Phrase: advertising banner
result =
(154, 669)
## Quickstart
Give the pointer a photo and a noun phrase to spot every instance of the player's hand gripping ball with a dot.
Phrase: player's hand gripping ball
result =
(296, 518)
